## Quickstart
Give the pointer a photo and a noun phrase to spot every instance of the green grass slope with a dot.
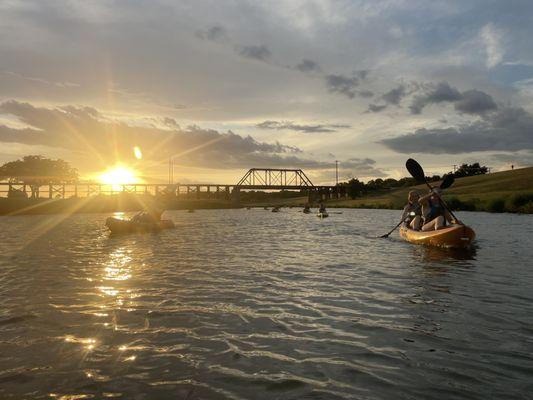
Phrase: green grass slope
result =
(508, 191)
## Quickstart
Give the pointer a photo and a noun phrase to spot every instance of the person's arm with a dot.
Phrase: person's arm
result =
(450, 218)
(405, 212)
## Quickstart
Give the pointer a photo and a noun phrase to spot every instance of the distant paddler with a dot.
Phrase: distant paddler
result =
(322, 212)
(306, 209)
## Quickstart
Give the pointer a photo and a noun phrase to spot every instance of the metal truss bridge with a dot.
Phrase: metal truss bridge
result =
(275, 178)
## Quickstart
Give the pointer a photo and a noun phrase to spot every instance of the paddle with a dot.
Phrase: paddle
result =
(415, 169)
(446, 183)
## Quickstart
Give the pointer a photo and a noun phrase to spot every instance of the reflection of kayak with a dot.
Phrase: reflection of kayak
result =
(322, 214)
(456, 236)
(117, 225)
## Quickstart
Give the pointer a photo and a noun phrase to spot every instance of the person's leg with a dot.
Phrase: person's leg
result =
(429, 226)
(415, 223)
(439, 222)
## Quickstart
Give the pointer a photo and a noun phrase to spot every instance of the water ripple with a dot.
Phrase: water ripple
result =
(244, 304)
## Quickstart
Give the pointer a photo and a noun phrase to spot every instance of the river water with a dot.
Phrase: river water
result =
(246, 304)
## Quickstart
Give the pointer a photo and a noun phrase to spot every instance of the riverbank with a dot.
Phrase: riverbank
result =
(508, 191)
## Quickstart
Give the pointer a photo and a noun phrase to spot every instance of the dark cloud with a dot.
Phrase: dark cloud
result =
(308, 66)
(170, 122)
(215, 33)
(261, 53)
(439, 93)
(348, 85)
(279, 125)
(394, 96)
(376, 107)
(365, 93)
(506, 129)
(475, 102)
(83, 130)
(345, 85)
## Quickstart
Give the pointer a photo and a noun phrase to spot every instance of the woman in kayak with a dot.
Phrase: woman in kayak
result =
(412, 214)
(435, 214)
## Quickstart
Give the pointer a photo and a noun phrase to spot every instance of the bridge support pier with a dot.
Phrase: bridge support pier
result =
(236, 196)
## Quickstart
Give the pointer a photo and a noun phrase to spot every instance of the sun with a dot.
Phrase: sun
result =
(119, 175)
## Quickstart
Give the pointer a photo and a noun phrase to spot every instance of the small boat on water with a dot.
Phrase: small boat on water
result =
(118, 225)
(276, 209)
(453, 236)
(306, 211)
(322, 214)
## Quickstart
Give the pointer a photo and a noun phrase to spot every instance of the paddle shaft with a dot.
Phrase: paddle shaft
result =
(393, 229)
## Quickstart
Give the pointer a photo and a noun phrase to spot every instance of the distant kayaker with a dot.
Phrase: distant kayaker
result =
(435, 215)
(151, 215)
(322, 208)
(412, 213)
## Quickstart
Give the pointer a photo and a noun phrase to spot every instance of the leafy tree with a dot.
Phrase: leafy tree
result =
(354, 187)
(38, 170)
(470, 170)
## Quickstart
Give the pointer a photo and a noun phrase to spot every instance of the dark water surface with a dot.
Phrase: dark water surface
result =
(252, 304)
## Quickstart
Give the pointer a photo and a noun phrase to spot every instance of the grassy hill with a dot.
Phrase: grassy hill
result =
(508, 191)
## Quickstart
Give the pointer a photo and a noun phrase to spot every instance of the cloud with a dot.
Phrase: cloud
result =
(475, 102)
(375, 108)
(84, 130)
(507, 129)
(346, 85)
(492, 39)
(261, 53)
(442, 92)
(279, 125)
(64, 84)
(394, 96)
(308, 66)
(214, 33)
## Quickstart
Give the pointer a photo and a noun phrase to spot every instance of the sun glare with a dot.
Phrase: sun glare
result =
(119, 175)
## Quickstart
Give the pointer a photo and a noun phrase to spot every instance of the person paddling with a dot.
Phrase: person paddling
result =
(322, 208)
(412, 213)
(435, 215)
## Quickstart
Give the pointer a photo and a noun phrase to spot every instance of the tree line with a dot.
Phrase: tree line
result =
(355, 188)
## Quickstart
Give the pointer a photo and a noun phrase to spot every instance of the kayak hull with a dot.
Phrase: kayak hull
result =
(322, 215)
(117, 225)
(454, 236)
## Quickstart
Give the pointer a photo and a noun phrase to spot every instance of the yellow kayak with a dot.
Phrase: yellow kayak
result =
(454, 236)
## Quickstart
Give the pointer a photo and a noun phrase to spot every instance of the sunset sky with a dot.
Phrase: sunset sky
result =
(224, 86)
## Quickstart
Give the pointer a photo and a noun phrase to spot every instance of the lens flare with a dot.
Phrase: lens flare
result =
(137, 152)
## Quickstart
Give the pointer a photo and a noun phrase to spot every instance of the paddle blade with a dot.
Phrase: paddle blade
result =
(447, 181)
(415, 170)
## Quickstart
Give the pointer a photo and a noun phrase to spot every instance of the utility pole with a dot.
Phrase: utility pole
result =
(170, 170)
(336, 173)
